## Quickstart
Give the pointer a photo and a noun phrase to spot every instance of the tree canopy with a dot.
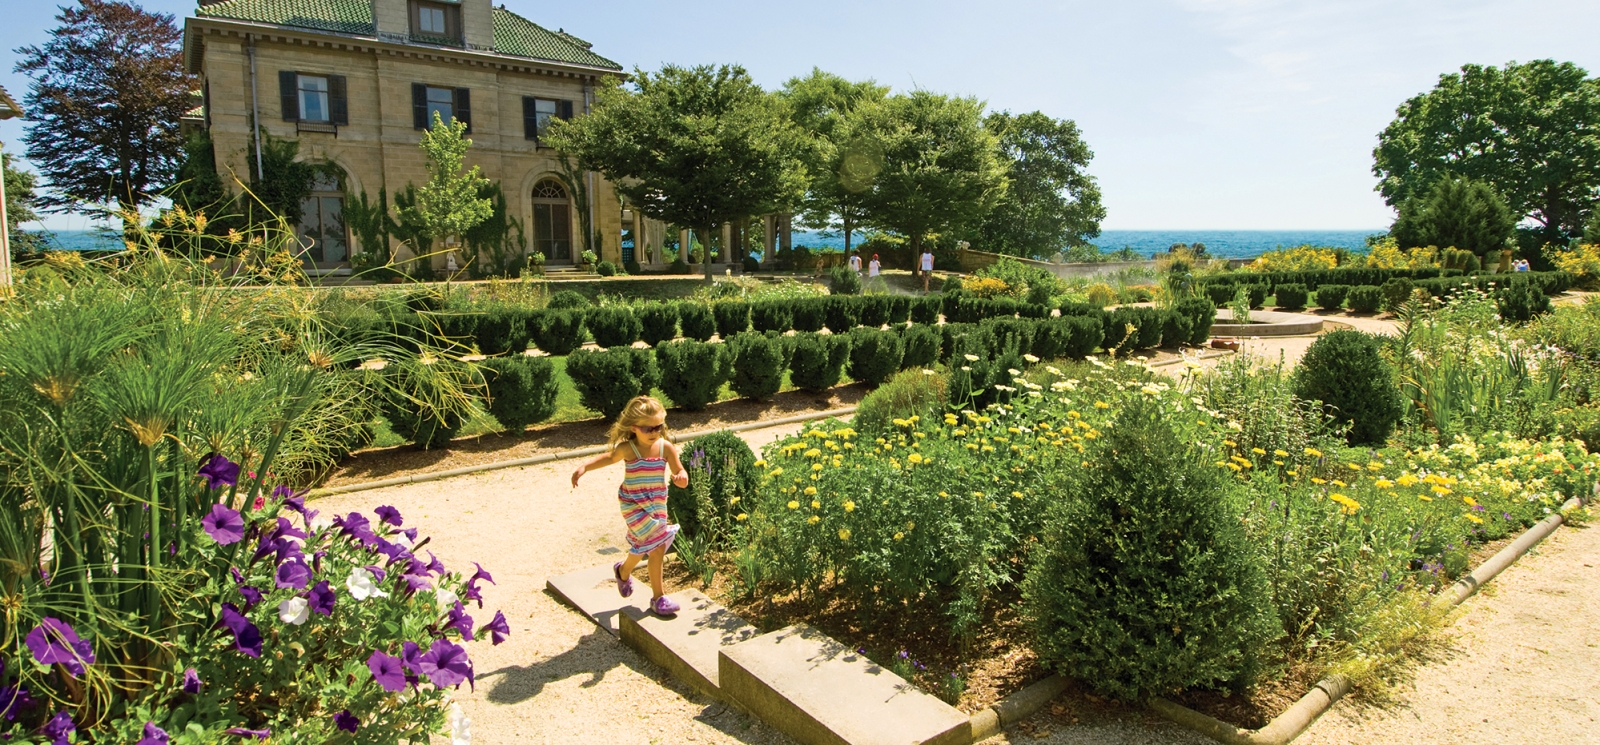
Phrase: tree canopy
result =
(1052, 203)
(19, 205)
(449, 203)
(1457, 213)
(1531, 131)
(841, 170)
(694, 146)
(107, 92)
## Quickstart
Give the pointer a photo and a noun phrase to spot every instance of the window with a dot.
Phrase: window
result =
(313, 98)
(322, 228)
(552, 222)
(430, 20)
(436, 22)
(448, 103)
(537, 113)
(441, 101)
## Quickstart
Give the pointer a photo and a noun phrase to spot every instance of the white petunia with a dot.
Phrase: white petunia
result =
(460, 726)
(361, 585)
(446, 598)
(294, 611)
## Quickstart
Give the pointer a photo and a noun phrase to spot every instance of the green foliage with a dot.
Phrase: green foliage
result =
(557, 332)
(613, 325)
(1521, 303)
(696, 321)
(723, 460)
(1396, 292)
(872, 311)
(522, 390)
(1220, 294)
(1365, 299)
(840, 165)
(817, 361)
(692, 372)
(495, 245)
(1291, 296)
(568, 300)
(450, 202)
(420, 404)
(658, 322)
(733, 317)
(1025, 282)
(771, 315)
(1459, 213)
(810, 314)
(1346, 372)
(921, 346)
(842, 313)
(758, 363)
(908, 393)
(1051, 203)
(874, 355)
(1201, 315)
(925, 310)
(1144, 583)
(607, 380)
(605, 269)
(843, 280)
(1331, 297)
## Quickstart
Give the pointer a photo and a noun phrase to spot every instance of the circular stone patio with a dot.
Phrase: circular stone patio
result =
(1265, 323)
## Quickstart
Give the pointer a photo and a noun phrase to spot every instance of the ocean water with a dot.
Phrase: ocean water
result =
(1228, 244)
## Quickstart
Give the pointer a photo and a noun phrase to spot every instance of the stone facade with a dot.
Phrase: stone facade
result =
(378, 147)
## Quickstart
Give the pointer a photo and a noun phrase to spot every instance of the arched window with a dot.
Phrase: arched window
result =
(322, 227)
(552, 221)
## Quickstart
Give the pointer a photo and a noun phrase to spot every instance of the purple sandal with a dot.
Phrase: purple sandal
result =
(663, 607)
(624, 586)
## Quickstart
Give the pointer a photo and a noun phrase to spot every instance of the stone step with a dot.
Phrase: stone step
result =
(819, 692)
(593, 592)
(687, 643)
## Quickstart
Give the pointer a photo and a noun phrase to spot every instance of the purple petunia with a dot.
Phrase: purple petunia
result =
(322, 598)
(219, 472)
(293, 575)
(411, 656)
(387, 671)
(223, 525)
(346, 721)
(252, 596)
(498, 628)
(246, 637)
(287, 529)
(446, 664)
(460, 621)
(473, 593)
(191, 682)
(294, 500)
(390, 515)
(53, 642)
(259, 734)
(59, 728)
(357, 526)
(377, 572)
(434, 565)
(416, 583)
(13, 699)
(154, 735)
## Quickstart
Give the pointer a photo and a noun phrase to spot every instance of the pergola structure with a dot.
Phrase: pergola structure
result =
(8, 109)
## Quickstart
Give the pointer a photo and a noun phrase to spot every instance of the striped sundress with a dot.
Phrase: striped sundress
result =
(644, 503)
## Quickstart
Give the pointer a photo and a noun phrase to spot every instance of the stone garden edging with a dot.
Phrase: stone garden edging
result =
(1297, 718)
(534, 460)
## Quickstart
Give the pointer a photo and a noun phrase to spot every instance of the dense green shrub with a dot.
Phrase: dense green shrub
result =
(1201, 314)
(1521, 303)
(1257, 293)
(1347, 373)
(498, 328)
(1145, 583)
(843, 280)
(771, 315)
(1220, 294)
(971, 370)
(1086, 335)
(1291, 296)
(899, 309)
(632, 267)
(921, 346)
(751, 266)
(733, 317)
(568, 300)
(874, 355)
(925, 310)
(1052, 337)
(1365, 299)
(607, 380)
(558, 332)
(816, 361)
(1147, 322)
(908, 393)
(758, 362)
(948, 334)
(696, 321)
(725, 461)
(873, 310)
(1331, 297)
(1396, 292)
(613, 326)
(658, 322)
(1008, 335)
(458, 327)
(692, 372)
(414, 407)
(841, 313)
(1176, 328)
(605, 269)
(679, 266)
(810, 314)
(522, 390)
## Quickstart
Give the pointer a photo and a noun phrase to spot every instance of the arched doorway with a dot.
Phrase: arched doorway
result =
(322, 227)
(552, 222)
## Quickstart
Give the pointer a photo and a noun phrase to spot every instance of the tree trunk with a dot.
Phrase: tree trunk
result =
(848, 224)
(916, 255)
(705, 250)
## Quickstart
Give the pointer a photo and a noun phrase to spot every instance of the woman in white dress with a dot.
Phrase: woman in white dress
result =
(872, 268)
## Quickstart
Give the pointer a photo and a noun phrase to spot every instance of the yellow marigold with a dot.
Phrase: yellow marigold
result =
(1258, 451)
(1406, 479)
(898, 536)
(761, 463)
(1016, 494)
(1101, 405)
(1337, 482)
(1475, 519)
(1281, 453)
(1313, 452)
(811, 490)
(816, 505)
(794, 505)
(944, 494)
(1230, 443)
(776, 472)
(1383, 484)
(816, 466)
(1374, 466)
(813, 520)
(914, 458)
(849, 506)
(1352, 466)
(1470, 501)
(1318, 481)
(1350, 505)
(844, 534)
(1424, 497)
(814, 453)
(1440, 490)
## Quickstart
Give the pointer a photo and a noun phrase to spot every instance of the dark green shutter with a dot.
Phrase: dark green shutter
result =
(338, 103)
(289, 94)
(463, 107)
(419, 106)
(530, 118)
(565, 110)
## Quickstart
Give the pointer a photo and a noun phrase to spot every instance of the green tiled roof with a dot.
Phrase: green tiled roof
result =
(513, 34)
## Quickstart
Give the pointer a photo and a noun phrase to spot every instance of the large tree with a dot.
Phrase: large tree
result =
(1531, 131)
(20, 199)
(1052, 202)
(107, 93)
(1457, 213)
(698, 146)
(841, 171)
(940, 170)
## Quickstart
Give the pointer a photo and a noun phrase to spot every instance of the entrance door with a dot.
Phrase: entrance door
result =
(552, 222)
(322, 227)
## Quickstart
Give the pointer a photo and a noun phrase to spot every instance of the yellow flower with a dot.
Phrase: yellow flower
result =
(1350, 505)
(1235, 467)
(1383, 484)
(898, 536)
(849, 506)
(1281, 453)
(1230, 443)
(1406, 479)
(1101, 405)
(1475, 519)
(814, 453)
(944, 494)
(794, 505)
(1337, 482)
(844, 534)
(1016, 494)
(1374, 466)
(816, 505)
(761, 463)
(816, 466)
(1352, 466)
(742, 516)
(1440, 490)
(1424, 497)
(1318, 481)
(1313, 452)
(811, 490)
(914, 458)
(813, 520)
(776, 472)
(1470, 501)
(1258, 451)
(1294, 473)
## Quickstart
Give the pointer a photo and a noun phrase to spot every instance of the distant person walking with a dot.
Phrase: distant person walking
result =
(855, 263)
(872, 269)
(925, 262)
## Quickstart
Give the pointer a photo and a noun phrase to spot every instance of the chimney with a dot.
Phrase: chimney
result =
(392, 17)
(477, 24)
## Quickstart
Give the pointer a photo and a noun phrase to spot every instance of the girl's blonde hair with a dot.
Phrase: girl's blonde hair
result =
(636, 412)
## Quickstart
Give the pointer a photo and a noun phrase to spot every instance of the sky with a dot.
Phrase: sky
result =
(1202, 114)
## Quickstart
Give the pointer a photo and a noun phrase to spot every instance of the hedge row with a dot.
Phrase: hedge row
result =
(1222, 289)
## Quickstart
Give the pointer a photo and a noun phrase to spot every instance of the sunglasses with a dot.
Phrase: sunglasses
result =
(650, 430)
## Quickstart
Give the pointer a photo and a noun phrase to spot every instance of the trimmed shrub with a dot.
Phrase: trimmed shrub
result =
(1051, 337)
(605, 269)
(899, 309)
(1257, 293)
(460, 327)
(1009, 335)
(925, 310)
(922, 345)
(1521, 303)
(632, 267)
(414, 406)
(1148, 323)
(874, 355)
(1176, 328)
(692, 372)
(726, 462)
(750, 265)
(1292, 296)
(841, 313)
(499, 328)
(816, 361)
(557, 332)
(1145, 583)
(607, 380)
(810, 314)
(613, 326)
(758, 362)
(1201, 315)
(1331, 297)
(679, 266)
(948, 334)
(1220, 294)
(1396, 292)
(567, 300)
(1365, 299)
(696, 321)
(909, 393)
(1086, 335)
(658, 322)
(971, 371)
(950, 301)
(522, 390)
(1347, 373)
(733, 317)
(873, 311)
(843, 280)
(771, 315)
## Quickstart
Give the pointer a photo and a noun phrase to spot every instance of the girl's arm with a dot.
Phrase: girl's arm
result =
(679, 476)
(599, 461)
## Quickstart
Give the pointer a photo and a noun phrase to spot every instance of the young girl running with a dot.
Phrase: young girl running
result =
(638, 440)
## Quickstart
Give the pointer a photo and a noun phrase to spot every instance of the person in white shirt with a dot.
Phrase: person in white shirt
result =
(872, 269)
(926, 263)
(855, 263)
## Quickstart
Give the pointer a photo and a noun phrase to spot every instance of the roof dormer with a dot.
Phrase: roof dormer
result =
(456, 23)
